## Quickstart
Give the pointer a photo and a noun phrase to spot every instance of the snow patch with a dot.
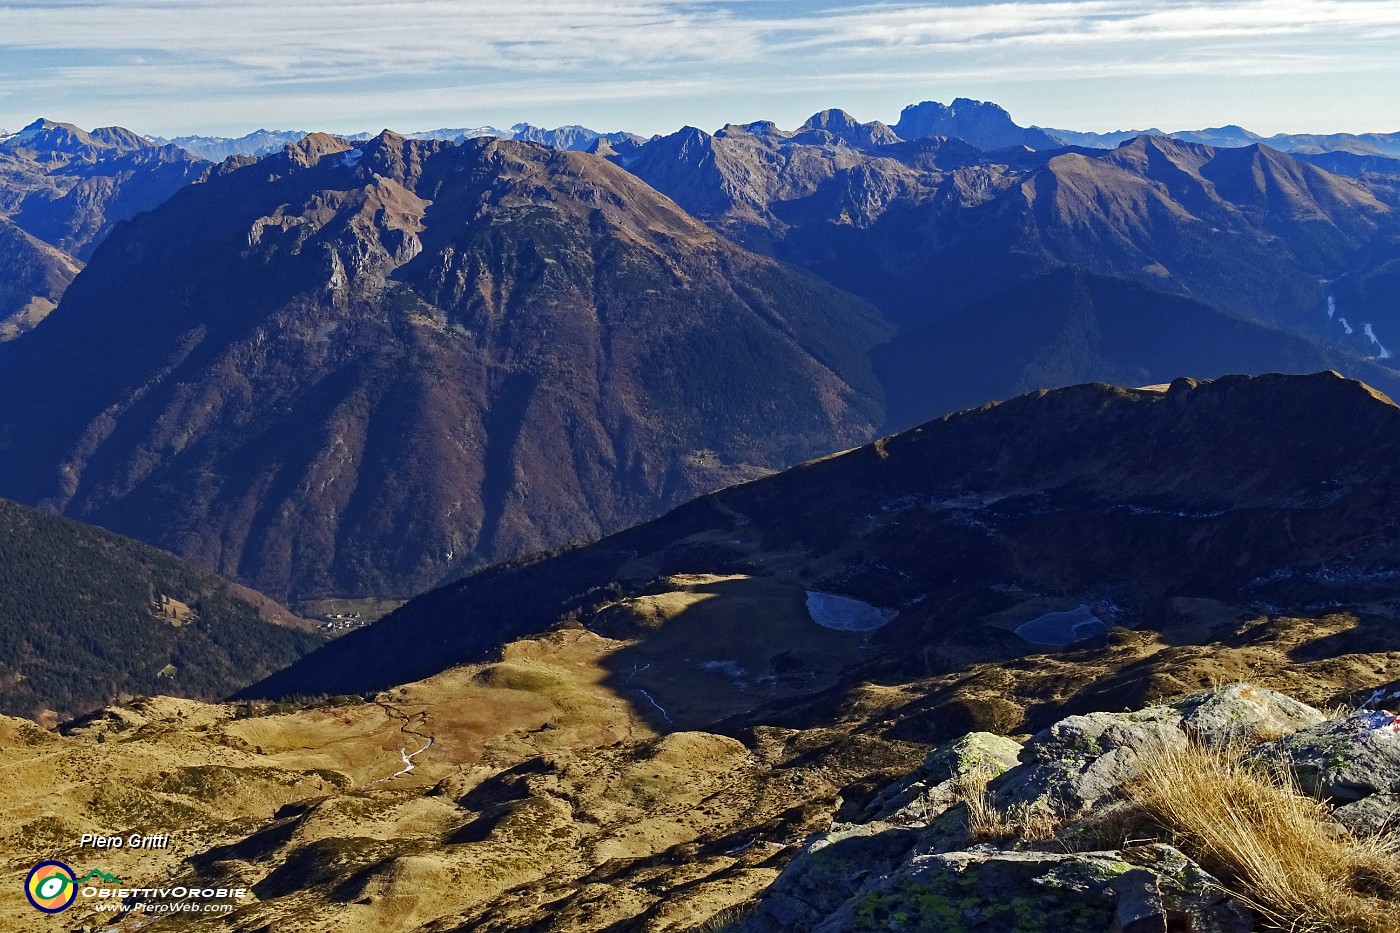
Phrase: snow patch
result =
(31, 132)
(1371, 335)
(659, 708)
(1331, 307)
(1062, 629)
(1345, 325)
(729, 669)
(843, 613)
(407, 757)
(351, 157)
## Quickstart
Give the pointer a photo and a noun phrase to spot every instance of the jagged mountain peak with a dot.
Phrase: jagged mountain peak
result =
(119, 138)
(983, 124)
(764, 129)
(1170, 144)
(830, 119)
(689, 135)
(1256, 173)
(842, 125)
(313, 147)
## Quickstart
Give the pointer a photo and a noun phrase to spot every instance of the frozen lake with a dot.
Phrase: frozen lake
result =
(1062, 629)
(843, 613)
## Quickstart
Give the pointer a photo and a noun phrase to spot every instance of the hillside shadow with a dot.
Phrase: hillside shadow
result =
(1373, 633)
(715, 648)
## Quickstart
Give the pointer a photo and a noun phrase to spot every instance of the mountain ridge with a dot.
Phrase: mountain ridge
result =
(63, 190)
(949, 524)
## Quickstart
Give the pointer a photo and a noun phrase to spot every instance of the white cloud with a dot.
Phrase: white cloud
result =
(165, 59)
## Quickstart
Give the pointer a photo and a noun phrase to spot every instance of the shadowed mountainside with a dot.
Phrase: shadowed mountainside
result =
(676, 731)
(1069, 327)
(89, 616)
(1279, 488)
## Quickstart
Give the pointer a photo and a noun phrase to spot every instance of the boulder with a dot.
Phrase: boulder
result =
(833, 865)
(1371, 815)
(1081, 761)
(1342, 760)
(826, 873)
(932, 787)
(1243, 714)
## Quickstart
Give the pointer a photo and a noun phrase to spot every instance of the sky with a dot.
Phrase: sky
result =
(172, 67)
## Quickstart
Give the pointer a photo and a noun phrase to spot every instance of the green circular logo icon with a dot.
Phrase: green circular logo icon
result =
(51, 887)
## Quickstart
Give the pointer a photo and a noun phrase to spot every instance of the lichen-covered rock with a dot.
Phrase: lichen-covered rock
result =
(1083, 760)
(1241, 713)
(932, 788)
(833, 865)
(1146, 890)
(1342, 760)
(1371, 815)
(826, 873)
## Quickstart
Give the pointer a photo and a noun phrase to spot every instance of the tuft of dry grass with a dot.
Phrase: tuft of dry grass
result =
(986, 822)
(1270, 844)
(728, 919)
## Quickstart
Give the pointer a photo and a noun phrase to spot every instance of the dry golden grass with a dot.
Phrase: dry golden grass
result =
(986, 822)
(1270, 844)
(727, 919)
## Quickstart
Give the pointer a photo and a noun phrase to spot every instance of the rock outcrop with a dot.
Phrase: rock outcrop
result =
(925, 856)
(1353, 763)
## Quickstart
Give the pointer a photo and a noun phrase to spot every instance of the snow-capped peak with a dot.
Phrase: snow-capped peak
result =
(30, 132)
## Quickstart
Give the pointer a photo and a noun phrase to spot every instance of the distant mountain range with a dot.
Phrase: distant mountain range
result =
(263, 142)
(1366, 144)
(938, 231)
(362, 367)
(981, 123)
